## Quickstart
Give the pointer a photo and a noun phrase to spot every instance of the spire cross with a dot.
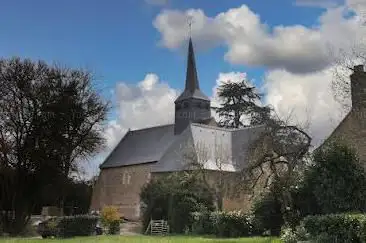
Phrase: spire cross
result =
(190, 22)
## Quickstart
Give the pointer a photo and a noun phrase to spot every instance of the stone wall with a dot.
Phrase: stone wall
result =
(121, 187)
(352, 130)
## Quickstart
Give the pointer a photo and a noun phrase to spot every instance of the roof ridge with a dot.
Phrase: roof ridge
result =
(226, 129)
(147, 128)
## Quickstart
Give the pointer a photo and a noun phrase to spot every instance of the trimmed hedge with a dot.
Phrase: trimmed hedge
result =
(69, 226)
(79, 225)
(222, 224)
(330, 228)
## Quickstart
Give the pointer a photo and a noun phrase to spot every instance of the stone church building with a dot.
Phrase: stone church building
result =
(352, 129)
(145, 153)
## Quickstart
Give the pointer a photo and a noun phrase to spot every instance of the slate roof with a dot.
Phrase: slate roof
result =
(169, 151)
(141, 146)
(216, 148)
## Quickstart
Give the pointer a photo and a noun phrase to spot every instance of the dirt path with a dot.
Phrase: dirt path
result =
(131, 228)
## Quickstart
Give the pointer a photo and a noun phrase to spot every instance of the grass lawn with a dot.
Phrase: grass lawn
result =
(143, 239)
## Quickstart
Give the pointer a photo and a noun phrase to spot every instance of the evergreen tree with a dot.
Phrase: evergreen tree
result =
(336, 182)
(238, 100)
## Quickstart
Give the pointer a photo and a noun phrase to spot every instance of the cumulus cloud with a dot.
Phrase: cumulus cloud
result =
(305, 100)
(148, 103)
(295, 48)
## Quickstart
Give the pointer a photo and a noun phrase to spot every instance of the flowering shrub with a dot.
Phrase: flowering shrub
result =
(111, 218)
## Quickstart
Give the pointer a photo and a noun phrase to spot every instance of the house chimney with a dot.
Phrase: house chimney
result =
(358, 87)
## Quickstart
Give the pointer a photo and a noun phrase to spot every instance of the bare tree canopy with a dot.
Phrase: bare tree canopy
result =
(276, 159)
(50, 118)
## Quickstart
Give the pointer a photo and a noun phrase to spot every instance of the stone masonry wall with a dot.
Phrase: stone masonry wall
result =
(353, 131)
(121, 187)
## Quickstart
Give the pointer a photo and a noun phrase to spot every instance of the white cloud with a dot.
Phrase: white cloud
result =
(305, 99)
(148, 103)
(296, 48)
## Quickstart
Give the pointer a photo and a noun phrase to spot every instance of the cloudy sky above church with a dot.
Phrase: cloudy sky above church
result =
(137, 51)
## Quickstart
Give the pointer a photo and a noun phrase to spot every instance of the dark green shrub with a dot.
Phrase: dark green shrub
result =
(79, 225)
(114, 227)
(173, 198)
(334, 183)
(267, 214)
(231, 224)
(222, 224)
(49, 227)
(336, 228)
(202, 223)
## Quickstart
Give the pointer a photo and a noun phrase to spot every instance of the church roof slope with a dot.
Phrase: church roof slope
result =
(141, 146)
(216, 148)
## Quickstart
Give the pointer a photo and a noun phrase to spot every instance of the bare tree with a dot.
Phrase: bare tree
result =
(276, 158)
(213, 164)
(50, 118)
(344, 61)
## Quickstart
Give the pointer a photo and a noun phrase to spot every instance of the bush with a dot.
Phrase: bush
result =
(231, 224)
(267, 214)
(202, 223)
(79, 225)
(49, 227)
(111, 219)
(222, 224)
(289, 235)
(329, 228)
(334, 183)
(174, 198)
(336, 227)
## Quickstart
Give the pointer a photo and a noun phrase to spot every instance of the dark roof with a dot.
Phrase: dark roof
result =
(192, 88)
(141, 146)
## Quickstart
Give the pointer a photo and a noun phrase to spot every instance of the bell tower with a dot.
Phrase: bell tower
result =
(192, 105)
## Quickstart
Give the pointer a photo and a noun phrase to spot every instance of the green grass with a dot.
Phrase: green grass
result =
(143, 239)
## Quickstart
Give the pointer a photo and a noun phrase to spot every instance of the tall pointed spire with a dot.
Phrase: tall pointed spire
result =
(192, 88)
(191, 75)
(192, 105)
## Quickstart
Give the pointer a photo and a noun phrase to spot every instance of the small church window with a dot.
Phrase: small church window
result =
(126, 178)
(185, 105)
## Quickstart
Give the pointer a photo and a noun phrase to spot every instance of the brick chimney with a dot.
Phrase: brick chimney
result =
(358, 87)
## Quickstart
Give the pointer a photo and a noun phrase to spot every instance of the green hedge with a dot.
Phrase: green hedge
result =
(79, 225)
(222, 224)
(330, 228)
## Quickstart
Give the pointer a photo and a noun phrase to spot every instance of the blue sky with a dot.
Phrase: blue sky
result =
(116, 39)
(137, 50)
